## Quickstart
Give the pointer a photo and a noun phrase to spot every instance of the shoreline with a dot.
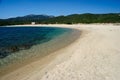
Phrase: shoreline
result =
(93, 56)
(35, 49)
(61, 25)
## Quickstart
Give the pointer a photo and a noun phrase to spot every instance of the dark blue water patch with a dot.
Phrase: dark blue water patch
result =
(13, 39)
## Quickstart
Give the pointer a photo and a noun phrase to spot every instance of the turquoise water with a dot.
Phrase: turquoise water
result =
(20, 46)
(13, 39)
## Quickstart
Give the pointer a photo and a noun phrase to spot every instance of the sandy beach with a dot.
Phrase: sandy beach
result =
(95, 55)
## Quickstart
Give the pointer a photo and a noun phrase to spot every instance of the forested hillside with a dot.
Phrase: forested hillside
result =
(69, 19)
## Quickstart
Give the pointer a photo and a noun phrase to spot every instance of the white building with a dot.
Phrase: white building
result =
(33, 23)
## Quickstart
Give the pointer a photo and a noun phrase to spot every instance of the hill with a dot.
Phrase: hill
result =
(85, 18)
(69, 19)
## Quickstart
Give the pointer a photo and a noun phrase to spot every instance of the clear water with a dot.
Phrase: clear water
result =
(13, 39)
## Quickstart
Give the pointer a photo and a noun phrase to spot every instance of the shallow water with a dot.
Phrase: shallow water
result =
(13, 39)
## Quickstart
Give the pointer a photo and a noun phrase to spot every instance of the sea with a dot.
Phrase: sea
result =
(13, 39)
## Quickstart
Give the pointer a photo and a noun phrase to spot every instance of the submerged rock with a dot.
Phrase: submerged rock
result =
(13, 49)
(3, 54)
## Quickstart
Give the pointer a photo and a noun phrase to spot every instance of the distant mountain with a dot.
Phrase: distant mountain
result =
(24, 19)
(69, 19)
(32, 17)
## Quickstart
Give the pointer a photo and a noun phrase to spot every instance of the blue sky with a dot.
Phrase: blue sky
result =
(13, 8)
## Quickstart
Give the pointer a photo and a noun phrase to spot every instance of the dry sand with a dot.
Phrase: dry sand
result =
(94, 56)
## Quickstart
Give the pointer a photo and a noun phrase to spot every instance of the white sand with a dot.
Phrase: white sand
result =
(94, 56)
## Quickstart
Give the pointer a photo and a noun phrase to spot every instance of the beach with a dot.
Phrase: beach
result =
(94, 55)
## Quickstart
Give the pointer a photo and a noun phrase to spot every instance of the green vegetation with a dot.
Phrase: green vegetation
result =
(70, 19)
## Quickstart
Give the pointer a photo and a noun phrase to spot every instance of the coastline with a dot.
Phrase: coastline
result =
(93, 56)
(34, 53)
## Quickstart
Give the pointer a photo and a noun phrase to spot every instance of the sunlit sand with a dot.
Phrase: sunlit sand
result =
(95, 55)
